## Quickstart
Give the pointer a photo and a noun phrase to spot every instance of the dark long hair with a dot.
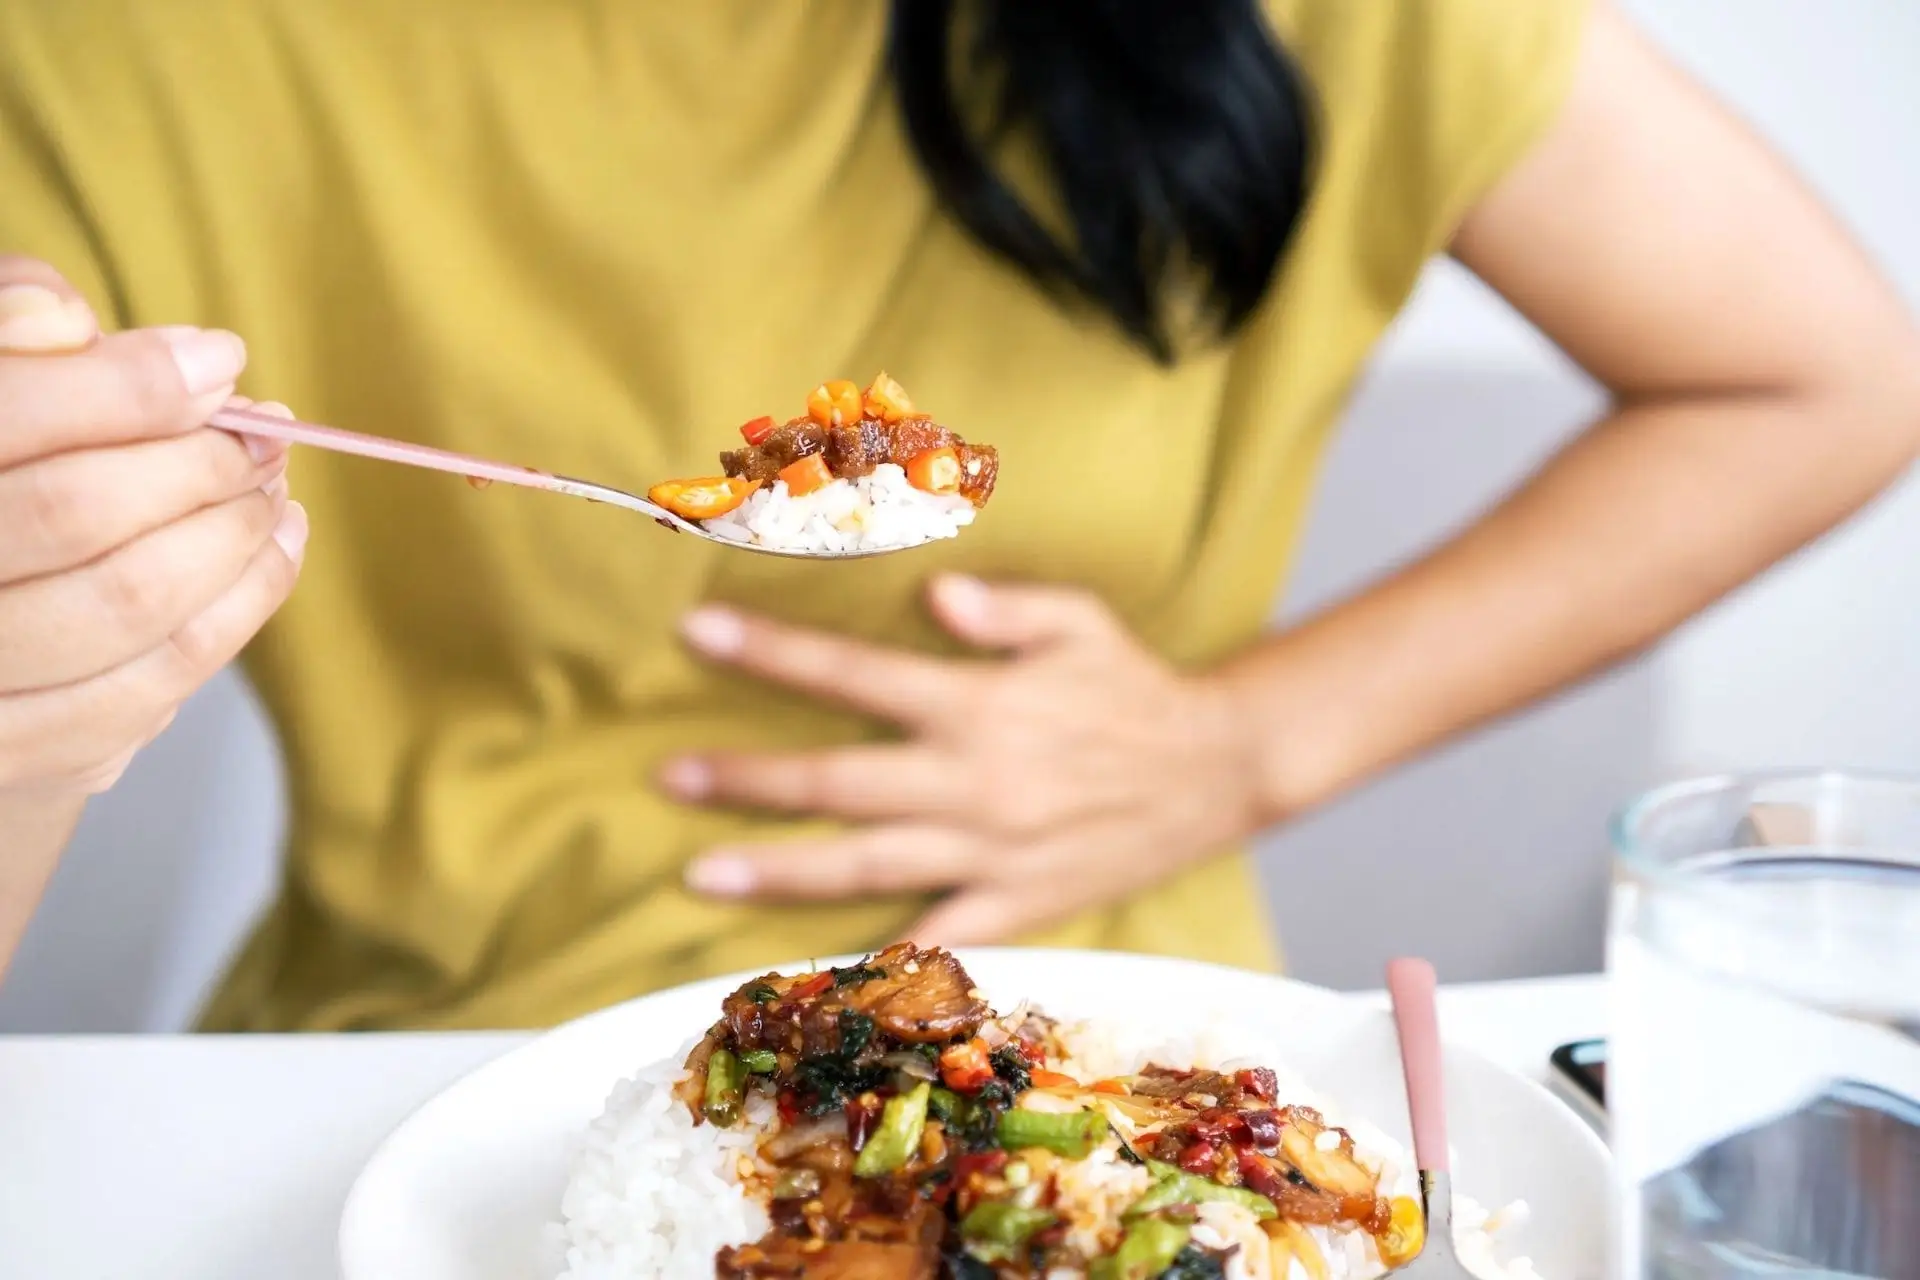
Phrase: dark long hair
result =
(1176, 134)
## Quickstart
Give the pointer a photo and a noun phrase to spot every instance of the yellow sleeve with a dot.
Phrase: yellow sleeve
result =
(43, 213)
(1422, 106)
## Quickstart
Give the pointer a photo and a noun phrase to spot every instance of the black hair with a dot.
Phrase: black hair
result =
(1176, 135)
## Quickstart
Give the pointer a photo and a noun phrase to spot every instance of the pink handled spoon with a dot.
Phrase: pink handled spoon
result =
(1411, 985)
(251, 422)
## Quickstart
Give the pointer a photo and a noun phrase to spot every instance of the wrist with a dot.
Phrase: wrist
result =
(1289, 743)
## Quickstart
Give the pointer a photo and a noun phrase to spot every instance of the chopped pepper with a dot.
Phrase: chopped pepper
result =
(896, 1137)
(726, 1080)
(802, 478)
(965, 1067)
(1073, 1135)
(997, 1230)
(1148, 1248)
(757, 431)
(1045, 1079)
(1406, 1234)
(935, 471)
(1172, 1187)
(702, 499)
(812, 986)
(887, 400)
(760, 1062)
(834, 404)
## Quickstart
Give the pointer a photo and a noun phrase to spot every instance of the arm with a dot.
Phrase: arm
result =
(37, 828)
(1766, 385)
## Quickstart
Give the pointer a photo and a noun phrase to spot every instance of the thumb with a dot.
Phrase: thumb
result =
(40, 312)
(996, 616)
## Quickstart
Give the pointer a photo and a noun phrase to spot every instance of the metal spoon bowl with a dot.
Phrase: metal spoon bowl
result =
(252, 422)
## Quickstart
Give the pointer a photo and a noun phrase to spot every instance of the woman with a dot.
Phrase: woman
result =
(543, 757)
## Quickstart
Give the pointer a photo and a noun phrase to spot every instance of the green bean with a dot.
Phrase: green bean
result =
(997, 1230)
(1171, 1187)
(1073, 1135)
(1148, 1248)
(726, 1078)
(895, 1139)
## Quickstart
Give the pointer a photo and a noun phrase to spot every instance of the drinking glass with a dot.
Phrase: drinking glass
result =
(1764, 1073)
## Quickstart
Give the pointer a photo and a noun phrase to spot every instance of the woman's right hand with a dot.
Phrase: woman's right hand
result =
(139, 549)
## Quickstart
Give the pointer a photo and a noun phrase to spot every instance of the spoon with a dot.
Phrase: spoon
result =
(251, 422)
(1411, 985)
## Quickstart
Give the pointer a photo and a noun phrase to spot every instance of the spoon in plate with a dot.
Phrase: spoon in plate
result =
(482, 472)
(1411, 985)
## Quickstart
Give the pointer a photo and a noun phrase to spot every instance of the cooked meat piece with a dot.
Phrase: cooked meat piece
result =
(787, 444)
(693, 1089)
(979, 471)
(1298, 1200)
(924, 997)
(910, 437)
(791, 1259)
(1163, 1082)
(854, 449)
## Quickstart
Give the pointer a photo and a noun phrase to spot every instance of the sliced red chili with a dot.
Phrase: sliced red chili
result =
(811, 987)
(757, 431)
(1260, 1082)
(1198, 1157)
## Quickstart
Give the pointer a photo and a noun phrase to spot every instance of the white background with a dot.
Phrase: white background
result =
(1489, 857)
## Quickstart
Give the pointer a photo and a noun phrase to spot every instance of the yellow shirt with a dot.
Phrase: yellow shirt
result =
(594, 236)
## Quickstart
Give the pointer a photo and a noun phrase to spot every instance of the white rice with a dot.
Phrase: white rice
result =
(871, 513)
(653, 1197)
(651, 1194)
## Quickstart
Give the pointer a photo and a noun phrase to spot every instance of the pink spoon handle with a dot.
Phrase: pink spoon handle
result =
(253, 423)
(249, 422)
(1411, 984)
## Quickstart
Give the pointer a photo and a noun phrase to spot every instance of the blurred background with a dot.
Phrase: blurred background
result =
(1489, 857)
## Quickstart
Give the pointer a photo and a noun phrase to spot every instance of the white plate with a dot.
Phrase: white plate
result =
(462, 1190)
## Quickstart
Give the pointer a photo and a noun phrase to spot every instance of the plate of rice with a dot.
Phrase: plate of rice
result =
(999, 1114)
(860, 472)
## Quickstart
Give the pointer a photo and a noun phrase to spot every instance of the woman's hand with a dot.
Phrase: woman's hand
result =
(138, 550)
(1076, 770)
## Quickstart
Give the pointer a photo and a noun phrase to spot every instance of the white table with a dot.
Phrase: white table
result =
(217, 1158)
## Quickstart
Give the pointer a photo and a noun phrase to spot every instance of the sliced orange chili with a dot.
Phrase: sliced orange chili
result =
(757, 431)
(965, 1067)
(936, 471)
(806, 475)
(887, 400)
(1111, 1086)
(834, 404)
(1045, 1079)
(702, 499)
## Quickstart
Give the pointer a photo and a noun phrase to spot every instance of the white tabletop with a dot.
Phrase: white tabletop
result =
(218, 1158)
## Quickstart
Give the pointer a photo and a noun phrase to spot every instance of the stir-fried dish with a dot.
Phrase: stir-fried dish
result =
(920, 1135)
(845, 434)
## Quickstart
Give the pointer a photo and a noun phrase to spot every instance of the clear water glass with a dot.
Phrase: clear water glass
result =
(1764, 1072)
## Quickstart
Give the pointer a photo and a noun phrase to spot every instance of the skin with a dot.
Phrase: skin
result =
(139, 551)
(1765, 386)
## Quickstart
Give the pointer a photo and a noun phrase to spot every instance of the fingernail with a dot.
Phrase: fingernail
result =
(208, 359)
(714, 631)
(35, 318)
(688, 778)
(276, 487)
(291, 532)
(963, 597)
(259, 448)
(721, 876)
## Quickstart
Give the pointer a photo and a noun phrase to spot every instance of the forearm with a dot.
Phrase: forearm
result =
(1644, 520)
(34, 828)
